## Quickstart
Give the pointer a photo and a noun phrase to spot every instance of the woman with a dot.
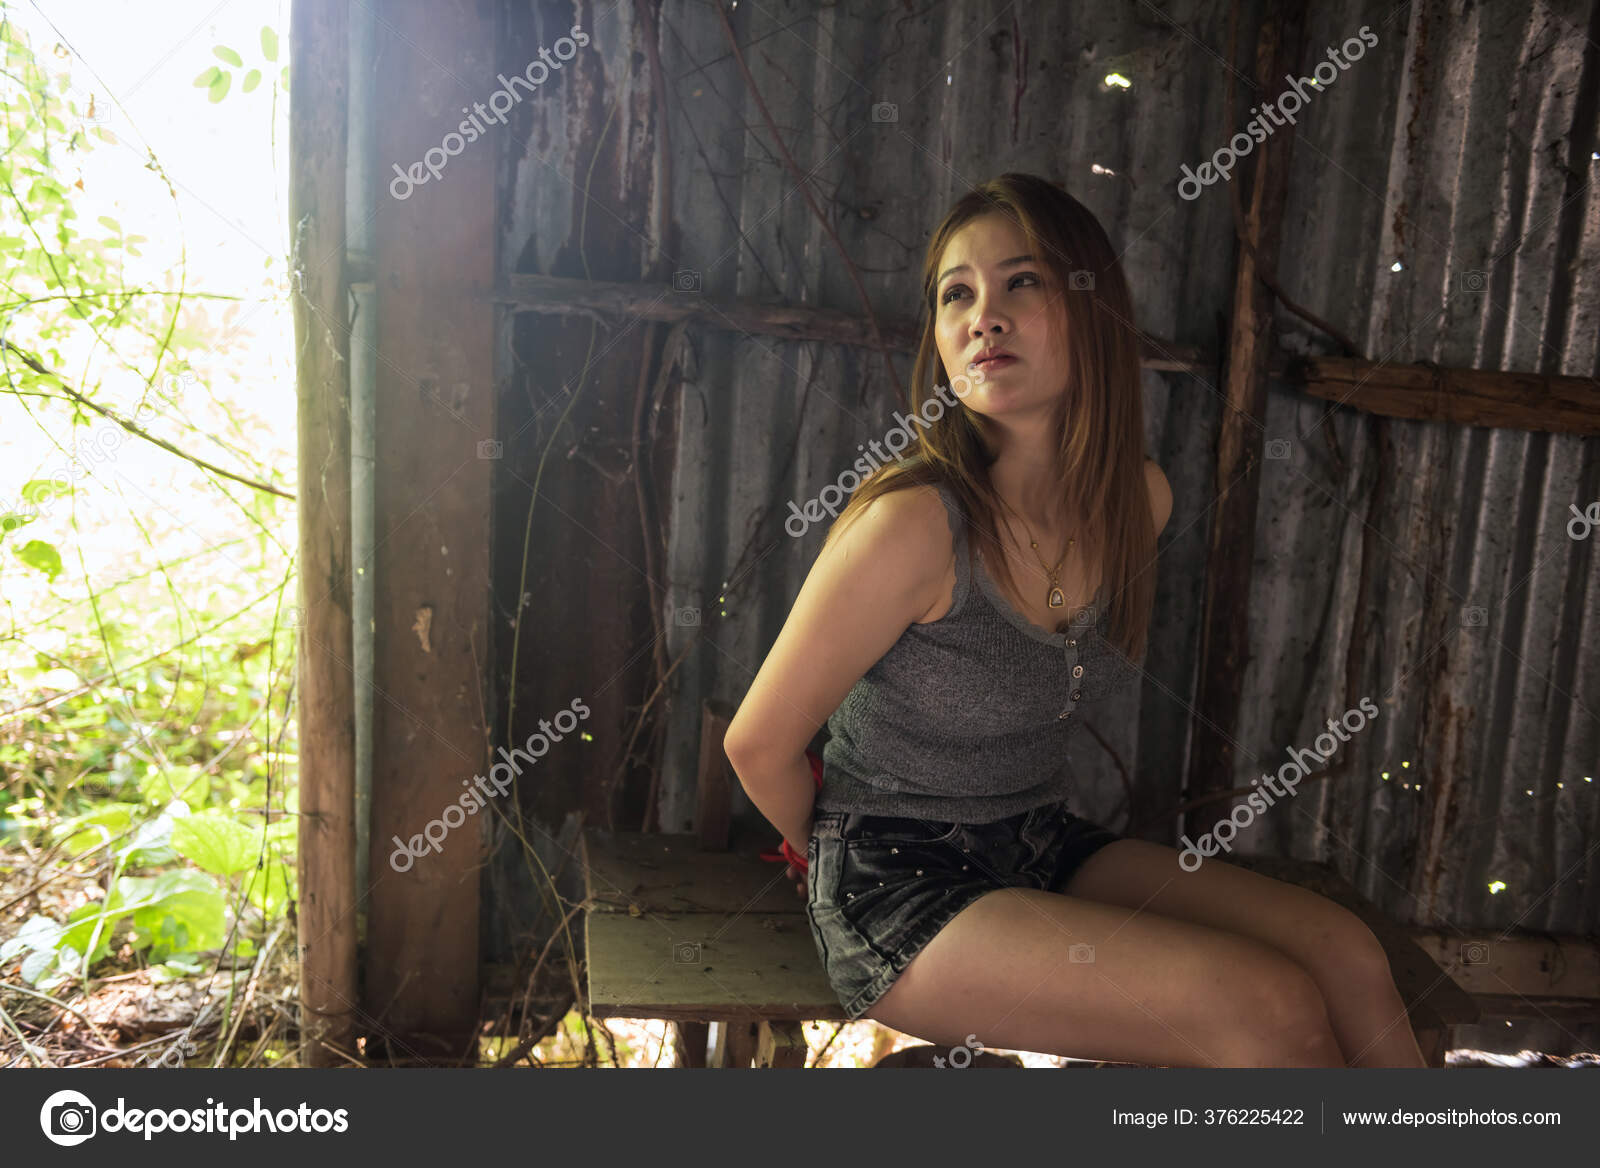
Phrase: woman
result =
(967, 601)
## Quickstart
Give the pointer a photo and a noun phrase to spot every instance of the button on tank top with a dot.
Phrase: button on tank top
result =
(966, 719)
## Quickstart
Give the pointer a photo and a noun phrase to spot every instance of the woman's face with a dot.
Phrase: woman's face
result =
(992, 294)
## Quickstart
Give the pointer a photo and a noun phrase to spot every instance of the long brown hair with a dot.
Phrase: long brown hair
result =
(1100, 417)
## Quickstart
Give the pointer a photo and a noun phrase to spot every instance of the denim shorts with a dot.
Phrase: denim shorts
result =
(879, 886)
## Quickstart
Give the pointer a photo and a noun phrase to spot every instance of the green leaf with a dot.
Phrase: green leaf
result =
(251, 80)
(216, 843)
(269, 43)
(38, 491)
(209, 78)
(109, 224)
(182, 919)
(285, 80)
(219, 87)
(224, 53)
(41, 557)
(37, 933)
(96, 827)
(11, 520)
(36, 964)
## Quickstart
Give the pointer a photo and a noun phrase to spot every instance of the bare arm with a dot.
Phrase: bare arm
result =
(876, 576)
(1160, 494)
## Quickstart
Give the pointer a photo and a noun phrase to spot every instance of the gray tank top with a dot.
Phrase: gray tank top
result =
(966, 719)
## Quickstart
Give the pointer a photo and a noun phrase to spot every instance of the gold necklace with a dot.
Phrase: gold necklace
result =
(1053, 598)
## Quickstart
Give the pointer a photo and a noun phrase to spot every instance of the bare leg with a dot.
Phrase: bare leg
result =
(1331, 943)
(1011, 970)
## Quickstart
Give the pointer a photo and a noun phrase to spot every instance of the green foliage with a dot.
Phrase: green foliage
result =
(41, 557)
(143, 747)
(216, 80)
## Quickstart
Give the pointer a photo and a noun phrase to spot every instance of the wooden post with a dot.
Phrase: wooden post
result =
(1226, 624)
(690, 1041)
(434, 260)
(781, 1044)
(326, 868)
(736, 1043)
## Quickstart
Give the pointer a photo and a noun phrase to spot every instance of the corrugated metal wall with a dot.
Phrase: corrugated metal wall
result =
(1425, 566)
(1447, 150)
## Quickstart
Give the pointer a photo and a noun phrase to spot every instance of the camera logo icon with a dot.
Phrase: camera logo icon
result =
(1081, 281)
(1475, 953)
(1081, 954)
(490, 448)
(67, 1118)
(1474, 281)
(686, 280)
(686, 618)
(686, 952)
(1278, 448)
(885, 111)
(1474, 617)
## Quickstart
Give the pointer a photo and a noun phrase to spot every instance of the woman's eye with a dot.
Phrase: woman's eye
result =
(1010, 284)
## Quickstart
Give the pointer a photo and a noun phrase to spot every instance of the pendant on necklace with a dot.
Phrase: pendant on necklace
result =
(1056, 599)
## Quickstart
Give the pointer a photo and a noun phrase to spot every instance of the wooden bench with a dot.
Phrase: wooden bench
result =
(698, 938)
(680, 928)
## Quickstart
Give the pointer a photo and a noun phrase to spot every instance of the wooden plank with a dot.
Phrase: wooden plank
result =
(1432, 999)
(1471, 397)
(434, 257)
(781, 1044)
(669, 873)
(1466, 397)
(703, 967)
(690, 1041)
(782, 321)
(1225, 621)
(1563, 1010)
(326, 910)
(1533, 966)
(714, 807)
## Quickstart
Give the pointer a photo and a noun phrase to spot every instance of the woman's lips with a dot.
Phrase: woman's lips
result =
(989, 365)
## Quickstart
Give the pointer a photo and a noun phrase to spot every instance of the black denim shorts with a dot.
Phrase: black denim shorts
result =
(880, 887)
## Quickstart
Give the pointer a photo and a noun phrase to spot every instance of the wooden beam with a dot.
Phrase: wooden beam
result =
(780, 321)
(1487, 963)
(434, 260)
(1467, 397)
(326, 867)
(1225, 623)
